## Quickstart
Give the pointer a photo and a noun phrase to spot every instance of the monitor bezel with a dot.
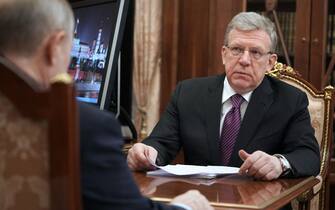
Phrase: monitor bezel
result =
(113, 68)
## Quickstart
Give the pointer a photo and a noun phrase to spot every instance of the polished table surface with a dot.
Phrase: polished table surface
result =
(229, 192)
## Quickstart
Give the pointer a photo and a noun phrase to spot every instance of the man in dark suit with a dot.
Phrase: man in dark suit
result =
(106, 179)
(36, 36)
(242, 118)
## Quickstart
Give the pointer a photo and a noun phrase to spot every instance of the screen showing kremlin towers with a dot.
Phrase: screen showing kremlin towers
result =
(94, 31)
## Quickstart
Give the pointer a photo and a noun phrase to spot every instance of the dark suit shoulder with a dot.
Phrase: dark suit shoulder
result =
(90, 116)
(203, 81)
(200, 85)
(93, 113)
(283, 87)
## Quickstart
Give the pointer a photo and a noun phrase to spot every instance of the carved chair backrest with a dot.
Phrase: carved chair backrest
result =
(39, 145)
(321, 111)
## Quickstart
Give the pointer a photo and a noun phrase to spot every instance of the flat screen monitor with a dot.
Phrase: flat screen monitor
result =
(99, 26)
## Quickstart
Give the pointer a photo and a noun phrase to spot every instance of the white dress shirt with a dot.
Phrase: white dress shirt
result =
(227, 92)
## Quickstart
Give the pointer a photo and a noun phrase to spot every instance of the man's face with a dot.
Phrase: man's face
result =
(247, 58)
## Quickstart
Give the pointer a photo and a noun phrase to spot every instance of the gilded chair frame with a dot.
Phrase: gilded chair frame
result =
(319, 192)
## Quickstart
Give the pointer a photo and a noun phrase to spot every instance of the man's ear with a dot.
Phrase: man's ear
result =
(54, 47)
(272, 61)
(223, 54)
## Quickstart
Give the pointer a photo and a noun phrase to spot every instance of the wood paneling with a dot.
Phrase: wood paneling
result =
(170, 21)
(310, 40)
(193, 34)
(193, 37)
(302, 37)
(318, 42)
(221, 13)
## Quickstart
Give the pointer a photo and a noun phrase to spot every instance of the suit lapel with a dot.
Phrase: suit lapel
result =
(212, 116)
(260, 102)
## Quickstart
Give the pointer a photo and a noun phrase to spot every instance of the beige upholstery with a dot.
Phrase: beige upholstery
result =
(321, 111)
(24, 167)
(39, 145)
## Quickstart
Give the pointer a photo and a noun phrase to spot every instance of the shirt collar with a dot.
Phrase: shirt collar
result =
(228, 91)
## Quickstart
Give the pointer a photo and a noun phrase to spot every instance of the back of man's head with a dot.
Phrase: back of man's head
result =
(25, 23)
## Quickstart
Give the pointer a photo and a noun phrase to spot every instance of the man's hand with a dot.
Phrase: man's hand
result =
(140, 157)
(260, 165)
(193, 199)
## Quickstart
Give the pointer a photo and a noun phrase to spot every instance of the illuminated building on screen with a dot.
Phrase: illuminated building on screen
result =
(88, 59)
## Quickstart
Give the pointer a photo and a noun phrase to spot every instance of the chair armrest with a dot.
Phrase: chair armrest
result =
(318, 186)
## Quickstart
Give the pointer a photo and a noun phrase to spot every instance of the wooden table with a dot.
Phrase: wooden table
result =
(229, 192)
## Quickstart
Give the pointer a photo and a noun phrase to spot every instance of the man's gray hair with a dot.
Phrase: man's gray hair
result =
(248, 21)
(24, 24)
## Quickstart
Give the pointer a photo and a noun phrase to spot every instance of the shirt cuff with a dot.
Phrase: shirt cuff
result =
(186, 207)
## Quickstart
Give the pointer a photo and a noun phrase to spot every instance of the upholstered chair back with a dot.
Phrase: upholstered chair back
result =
(321, 111)
(39, 148)
(24, 156)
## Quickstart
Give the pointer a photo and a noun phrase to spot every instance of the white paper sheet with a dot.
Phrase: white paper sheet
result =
(193, 170)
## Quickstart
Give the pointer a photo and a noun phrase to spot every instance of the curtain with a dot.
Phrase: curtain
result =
(147, 60)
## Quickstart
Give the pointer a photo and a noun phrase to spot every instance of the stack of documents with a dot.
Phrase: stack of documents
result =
(193, 170)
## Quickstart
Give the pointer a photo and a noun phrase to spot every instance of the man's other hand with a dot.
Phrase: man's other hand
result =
(193, 199)
(260, 165)
(140, 157)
